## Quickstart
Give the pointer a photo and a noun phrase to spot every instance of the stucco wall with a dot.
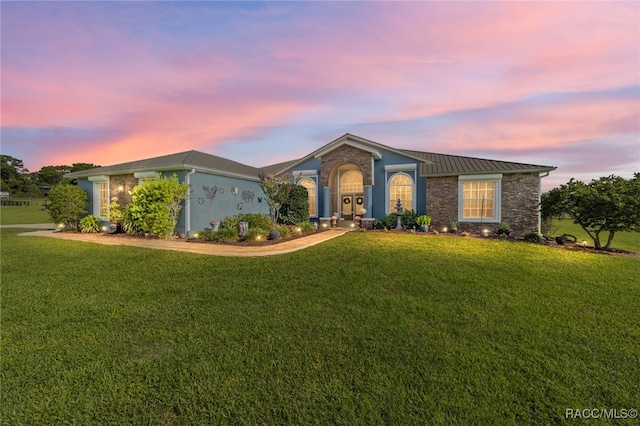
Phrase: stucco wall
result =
(218, 200)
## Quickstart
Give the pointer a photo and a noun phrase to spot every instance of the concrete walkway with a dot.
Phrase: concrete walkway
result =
(210, 249)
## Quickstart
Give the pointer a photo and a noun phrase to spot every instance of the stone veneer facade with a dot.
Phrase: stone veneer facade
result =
(520, 197)
(352, 155)
(128, 182)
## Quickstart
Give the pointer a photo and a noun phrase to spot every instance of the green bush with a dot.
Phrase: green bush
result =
(306, 226)
(89, 224)
(389, 222)
(532, 237)
(206, 235)
(409, 218)
(296, 208)
(156, 204)
(254, 234)
(254, 220)
(284, 230)
(225, 235)
(130, 224)
(68, 205)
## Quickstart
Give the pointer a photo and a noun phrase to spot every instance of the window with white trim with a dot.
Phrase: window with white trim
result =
(103, 198)
(401, 187)
(479, 198)
(310, 185)
(100, 195)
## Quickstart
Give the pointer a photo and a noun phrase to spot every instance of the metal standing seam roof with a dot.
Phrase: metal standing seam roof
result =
(180, 161)
(453, 165)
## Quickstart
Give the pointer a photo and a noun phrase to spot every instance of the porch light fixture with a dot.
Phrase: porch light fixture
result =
(120, 188)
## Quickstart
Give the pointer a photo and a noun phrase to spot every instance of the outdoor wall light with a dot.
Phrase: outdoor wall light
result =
(120, 188)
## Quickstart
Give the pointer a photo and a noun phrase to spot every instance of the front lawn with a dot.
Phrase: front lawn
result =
(33, 213)
(368, 328)
(622, 240)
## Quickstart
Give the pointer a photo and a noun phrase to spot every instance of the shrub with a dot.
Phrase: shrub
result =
(89, 224)
(389, 222)
(115, 211)
(409, 218)
(254, 234)
(532, 237)
(129, 223)
(225, 235)
(306, 226)
(296, 208)
(284, 230)
(230, 222)
(156, 205)
(274, 234)
(206, 235)
(68, 205)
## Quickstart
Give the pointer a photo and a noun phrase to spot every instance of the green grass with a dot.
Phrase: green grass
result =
(12, 215)
(622, 240)
(368, 328)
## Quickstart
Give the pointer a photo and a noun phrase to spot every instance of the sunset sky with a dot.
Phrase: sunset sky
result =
(546, 83)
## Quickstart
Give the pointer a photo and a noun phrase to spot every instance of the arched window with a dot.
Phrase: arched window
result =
(310, 184)
(351, 181)
(400, 187)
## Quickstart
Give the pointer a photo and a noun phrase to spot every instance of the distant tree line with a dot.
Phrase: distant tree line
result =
(19, 182)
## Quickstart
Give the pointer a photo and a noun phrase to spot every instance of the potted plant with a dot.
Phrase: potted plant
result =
(504, 229)
(423, 222)
(453, 226)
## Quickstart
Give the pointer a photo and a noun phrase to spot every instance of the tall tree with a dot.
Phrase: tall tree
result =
(15, 178)
(610, 204)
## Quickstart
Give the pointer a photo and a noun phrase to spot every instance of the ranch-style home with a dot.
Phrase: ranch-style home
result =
(342, 178)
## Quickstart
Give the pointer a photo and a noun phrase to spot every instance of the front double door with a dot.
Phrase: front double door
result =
(351, 205)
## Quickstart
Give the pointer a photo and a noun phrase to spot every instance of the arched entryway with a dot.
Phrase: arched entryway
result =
(347, 191)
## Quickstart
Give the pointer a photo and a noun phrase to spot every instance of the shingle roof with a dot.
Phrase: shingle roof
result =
(453, 165)
(275, 168)
(181, 161)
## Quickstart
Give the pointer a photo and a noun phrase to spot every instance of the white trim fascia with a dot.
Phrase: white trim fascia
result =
(304, 173)
(374, 152)
(484, 178)
(401, 167)
(146, 175)
(100, 178)
(222, 173)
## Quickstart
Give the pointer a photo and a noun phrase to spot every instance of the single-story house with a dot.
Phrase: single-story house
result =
(342, 178)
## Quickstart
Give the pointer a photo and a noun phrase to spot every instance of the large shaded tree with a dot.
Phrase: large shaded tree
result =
(608, 204)
(15, 178)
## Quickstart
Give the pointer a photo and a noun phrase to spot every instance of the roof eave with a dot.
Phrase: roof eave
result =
(488, 172)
